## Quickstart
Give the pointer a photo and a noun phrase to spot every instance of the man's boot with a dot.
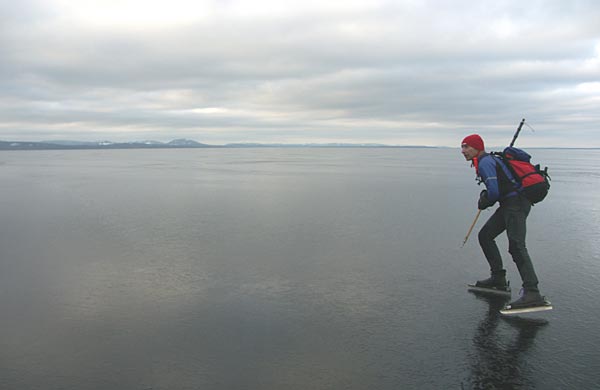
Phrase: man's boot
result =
(528, 299)
(495, 282)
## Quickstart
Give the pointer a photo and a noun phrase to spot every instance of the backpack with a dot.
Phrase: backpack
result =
(528, 179)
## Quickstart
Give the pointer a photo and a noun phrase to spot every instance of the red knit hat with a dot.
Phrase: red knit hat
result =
(474, 140)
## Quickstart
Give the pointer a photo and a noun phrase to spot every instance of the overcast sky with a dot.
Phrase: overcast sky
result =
(360, 71)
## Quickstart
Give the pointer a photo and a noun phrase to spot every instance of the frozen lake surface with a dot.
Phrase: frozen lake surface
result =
(284, 269)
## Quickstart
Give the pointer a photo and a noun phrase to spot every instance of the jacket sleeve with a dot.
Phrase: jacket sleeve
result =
(489, 176)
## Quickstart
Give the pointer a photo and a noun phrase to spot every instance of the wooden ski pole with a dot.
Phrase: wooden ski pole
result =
(471, 228)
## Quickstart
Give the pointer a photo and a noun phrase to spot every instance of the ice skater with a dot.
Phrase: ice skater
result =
(510, 216)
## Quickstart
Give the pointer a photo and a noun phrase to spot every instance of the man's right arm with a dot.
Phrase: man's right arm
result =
(487, 171)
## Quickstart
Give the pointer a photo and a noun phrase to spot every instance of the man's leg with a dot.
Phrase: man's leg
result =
(494, 226)
(516, 229)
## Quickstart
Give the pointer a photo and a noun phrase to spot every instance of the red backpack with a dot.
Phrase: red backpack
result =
(530, 180)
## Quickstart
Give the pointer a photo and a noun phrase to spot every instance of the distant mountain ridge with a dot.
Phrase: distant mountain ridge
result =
(67, 144)
(176, 143)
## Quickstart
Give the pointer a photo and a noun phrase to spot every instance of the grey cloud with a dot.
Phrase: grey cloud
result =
(460, 64)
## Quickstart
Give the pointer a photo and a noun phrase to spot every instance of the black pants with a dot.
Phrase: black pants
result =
(510, 216)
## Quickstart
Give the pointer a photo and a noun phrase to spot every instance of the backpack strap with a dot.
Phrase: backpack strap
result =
(508, 171)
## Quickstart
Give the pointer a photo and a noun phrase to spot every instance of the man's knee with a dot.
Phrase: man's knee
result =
(517, 248)
(484, 236)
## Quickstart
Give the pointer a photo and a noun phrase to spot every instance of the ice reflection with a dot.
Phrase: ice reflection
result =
(498, 358)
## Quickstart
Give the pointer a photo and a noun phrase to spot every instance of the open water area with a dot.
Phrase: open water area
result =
(283, 268)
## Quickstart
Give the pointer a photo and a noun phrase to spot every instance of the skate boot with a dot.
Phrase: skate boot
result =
(529, 301)
(495, 284)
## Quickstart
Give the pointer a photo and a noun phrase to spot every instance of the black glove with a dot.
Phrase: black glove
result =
(484, 202)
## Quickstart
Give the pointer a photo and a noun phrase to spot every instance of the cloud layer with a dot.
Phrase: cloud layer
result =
(300, 71)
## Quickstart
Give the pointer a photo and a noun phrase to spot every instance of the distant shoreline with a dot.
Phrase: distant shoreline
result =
(189, 144)
(181, 144)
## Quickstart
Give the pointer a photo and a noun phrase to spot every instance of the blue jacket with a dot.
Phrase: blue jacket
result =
(498, 180)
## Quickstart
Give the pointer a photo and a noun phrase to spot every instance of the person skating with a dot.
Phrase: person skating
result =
(511, 216)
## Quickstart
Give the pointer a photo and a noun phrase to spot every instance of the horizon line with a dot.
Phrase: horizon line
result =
(188, 143)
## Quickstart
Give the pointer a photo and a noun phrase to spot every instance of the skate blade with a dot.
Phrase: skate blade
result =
(508, 312)
(472, 287)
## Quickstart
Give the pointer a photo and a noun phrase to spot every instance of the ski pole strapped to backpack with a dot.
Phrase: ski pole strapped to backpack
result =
(529, 180)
